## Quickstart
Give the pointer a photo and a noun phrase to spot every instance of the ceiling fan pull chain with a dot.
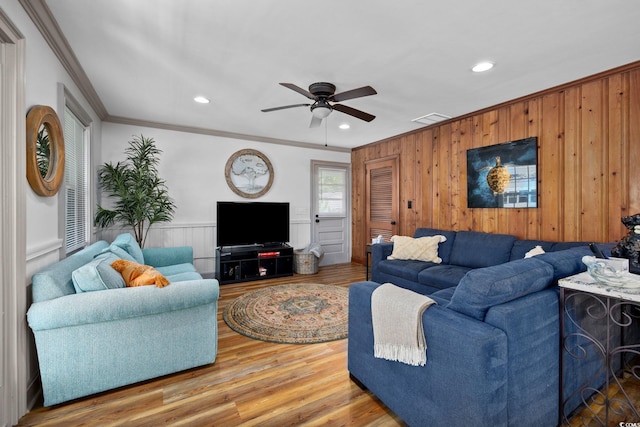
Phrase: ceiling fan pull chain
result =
(325, 131)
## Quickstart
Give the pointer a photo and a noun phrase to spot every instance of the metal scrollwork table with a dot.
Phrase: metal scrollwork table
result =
(612, 309)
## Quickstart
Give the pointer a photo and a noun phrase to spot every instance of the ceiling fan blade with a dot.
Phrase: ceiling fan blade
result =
(266, 110)
(299, 90)
(353, 112)
(315, 122)
(353, 93)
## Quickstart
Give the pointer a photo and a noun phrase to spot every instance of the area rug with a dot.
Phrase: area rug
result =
(292, 314)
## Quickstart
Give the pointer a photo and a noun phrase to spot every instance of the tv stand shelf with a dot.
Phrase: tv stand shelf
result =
(245, 263)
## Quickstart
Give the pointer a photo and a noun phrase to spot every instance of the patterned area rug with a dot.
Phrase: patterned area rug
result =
(292, 314)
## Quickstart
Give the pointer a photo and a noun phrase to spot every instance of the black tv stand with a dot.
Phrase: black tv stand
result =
(254, 262)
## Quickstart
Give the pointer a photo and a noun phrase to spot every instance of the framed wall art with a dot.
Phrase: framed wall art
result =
(249, 173)
(503, 175)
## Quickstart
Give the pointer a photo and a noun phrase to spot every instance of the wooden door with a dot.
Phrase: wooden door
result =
(382, 192)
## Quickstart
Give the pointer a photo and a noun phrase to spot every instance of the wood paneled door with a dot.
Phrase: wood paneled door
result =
(381, 183)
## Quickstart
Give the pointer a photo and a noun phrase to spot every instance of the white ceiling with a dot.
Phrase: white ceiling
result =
(147, 59)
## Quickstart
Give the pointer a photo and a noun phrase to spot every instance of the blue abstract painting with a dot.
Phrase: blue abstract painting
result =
(503, 175)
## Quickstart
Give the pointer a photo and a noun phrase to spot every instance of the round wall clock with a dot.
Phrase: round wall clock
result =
(249, 173)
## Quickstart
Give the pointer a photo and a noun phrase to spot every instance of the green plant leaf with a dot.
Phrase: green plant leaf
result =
(139, 196)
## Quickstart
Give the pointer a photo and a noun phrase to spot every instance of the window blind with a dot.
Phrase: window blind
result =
(76, 183)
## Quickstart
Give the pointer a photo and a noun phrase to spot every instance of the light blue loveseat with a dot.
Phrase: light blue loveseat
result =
(93, 334)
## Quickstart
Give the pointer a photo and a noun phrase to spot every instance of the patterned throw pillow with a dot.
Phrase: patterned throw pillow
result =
(135, 274)
(420, 249)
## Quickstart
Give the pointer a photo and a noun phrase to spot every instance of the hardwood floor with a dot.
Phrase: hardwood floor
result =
(251, 383)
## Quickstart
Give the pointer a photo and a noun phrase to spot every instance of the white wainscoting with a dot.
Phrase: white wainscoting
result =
(41, 256)
(202, 237)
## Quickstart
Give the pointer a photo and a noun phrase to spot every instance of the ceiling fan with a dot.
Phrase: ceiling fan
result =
(326, 100)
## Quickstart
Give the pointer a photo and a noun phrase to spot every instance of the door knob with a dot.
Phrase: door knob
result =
(393, 223)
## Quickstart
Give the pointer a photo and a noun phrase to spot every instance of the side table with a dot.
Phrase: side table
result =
(367, 256)
(615, 309)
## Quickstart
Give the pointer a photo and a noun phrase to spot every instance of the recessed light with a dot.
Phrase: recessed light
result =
(202, 100)
(482, 66)
(344, 126)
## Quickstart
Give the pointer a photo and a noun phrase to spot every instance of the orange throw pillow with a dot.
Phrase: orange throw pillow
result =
(135, 274)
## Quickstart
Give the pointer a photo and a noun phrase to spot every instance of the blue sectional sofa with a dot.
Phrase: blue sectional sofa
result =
(492, 336)
(461, 252)
(93, 334)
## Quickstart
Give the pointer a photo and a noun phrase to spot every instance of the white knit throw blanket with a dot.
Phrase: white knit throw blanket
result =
(398, 333)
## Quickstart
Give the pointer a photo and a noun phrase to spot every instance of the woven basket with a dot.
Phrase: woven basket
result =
(304, 263)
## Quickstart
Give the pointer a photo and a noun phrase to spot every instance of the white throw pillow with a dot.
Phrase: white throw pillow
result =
(535, 251)
(420, 249)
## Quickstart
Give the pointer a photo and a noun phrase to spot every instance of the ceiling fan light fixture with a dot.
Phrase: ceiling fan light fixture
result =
(321, 111)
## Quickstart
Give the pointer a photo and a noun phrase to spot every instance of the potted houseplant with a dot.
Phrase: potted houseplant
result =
(140, 197)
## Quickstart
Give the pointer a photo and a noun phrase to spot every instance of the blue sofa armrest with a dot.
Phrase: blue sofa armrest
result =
(531, 324)
(162, 257)
(379, 252)
(465, 377)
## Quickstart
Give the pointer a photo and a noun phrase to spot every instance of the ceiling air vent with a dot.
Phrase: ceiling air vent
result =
(431, 118)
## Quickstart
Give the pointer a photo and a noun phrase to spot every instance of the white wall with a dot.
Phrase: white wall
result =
(193, 166)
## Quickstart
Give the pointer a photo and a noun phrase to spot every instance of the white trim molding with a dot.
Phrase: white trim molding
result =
(13, 301)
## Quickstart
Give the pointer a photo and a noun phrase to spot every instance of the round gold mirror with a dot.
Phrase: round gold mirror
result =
(45, 151)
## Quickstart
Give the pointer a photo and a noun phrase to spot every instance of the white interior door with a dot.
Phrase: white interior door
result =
(330, 219)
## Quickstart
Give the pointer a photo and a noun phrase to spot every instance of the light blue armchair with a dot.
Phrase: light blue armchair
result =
(93, 334)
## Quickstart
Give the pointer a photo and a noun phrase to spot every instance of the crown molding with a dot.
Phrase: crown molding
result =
(220, 133)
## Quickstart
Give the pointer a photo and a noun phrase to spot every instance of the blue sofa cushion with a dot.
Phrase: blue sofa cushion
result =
(55, 280)
(97, 275)
(566, 262)
(482, 288)
(561, 246)
(444, 249)
(442, 276)
(118, 252)
(406, 269)
(169, 270)
(127, 242)
(184, 277)
(162, 257)
(443, 296)
(476, 249)
(521, 247)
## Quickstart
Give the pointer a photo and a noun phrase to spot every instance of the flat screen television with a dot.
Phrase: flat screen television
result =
(252, 223)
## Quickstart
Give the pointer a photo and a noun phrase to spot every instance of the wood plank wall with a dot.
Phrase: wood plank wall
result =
(588, 164)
